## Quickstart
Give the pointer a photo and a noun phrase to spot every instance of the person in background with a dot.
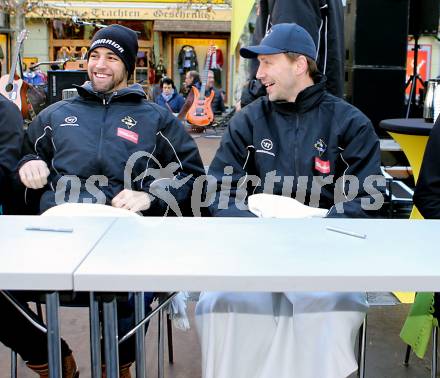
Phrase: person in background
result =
(16, 331)
(35, 76)
(169, 98)
(217, 104)
(427, 191)
(192, 78)
(11, 139)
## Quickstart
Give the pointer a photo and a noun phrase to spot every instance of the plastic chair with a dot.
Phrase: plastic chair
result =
(362, 336)
(434, 340)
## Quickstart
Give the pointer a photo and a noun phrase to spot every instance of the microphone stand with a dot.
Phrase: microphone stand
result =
(414, 78)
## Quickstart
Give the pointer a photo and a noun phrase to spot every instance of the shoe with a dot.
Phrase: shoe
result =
(70, 369)
(41, 370)
(124, 371)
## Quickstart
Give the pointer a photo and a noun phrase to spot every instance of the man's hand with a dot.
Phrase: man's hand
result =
(132, 200)
(34, 173)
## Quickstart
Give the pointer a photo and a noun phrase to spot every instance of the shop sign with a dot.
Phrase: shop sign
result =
(112, 11)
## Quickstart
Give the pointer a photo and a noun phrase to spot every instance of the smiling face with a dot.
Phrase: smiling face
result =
(106, 71)
(282, 76)
(277, 74)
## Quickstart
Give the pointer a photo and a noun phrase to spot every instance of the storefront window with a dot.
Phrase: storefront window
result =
(191, 54)
(63, 29)
(71, 52)
(67, 30)
(70, 41)
(3, 54)
(144, 71)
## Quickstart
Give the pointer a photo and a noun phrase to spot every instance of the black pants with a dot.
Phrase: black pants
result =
(20, 335)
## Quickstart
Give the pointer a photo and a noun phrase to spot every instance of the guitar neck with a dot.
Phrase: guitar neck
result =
(20, 40)
(13, 66)
(205, 77)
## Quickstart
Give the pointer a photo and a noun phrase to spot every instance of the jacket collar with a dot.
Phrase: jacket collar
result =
(134, 91)
(305, 100)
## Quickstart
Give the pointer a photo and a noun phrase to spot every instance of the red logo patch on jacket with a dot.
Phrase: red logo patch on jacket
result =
(129, 135)
(322, 166)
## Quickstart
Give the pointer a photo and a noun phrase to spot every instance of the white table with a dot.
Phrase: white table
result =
(248, 254)
(46, 260)
(242, 254)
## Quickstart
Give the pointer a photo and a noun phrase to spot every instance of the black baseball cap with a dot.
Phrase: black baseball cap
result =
(283, 38)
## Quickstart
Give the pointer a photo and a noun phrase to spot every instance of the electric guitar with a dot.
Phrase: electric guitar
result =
(11, 85)
(200, 113)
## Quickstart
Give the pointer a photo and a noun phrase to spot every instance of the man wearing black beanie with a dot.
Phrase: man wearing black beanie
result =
(121, 41)
(109, 145)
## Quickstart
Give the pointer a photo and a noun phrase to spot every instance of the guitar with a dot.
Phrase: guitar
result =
(11, 85)
(200, 113)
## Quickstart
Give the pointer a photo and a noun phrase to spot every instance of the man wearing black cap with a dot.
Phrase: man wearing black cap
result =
(301, 142)
(109, 145)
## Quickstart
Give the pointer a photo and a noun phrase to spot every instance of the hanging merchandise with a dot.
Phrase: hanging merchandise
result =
(216, 59)
(160, 71)
(187, 60)
(216, 64)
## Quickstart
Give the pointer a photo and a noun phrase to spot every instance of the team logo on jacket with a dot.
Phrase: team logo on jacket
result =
(320, 146)
(69, 121)
(129, 121)
(266, 144)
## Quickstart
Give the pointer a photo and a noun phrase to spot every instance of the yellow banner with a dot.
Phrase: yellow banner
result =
(240, 14)
(133, 11)
(170, 1)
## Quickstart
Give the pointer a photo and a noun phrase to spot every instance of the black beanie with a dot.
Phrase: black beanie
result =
(121, 40)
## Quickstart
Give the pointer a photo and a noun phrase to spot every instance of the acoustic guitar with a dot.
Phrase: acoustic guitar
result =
(11, 85)
(200, 113)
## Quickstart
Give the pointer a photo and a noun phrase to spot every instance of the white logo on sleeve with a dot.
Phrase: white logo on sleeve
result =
(266, 144)
(70, 121)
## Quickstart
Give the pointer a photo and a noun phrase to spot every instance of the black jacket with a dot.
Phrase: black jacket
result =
(318, 136)
(11, 139)
(427, 192)
(323, 19)
(174, 104)
(92, 138)
(217, 104)
(192, 58)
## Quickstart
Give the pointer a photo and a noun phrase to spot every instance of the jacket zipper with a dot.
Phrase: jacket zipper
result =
(101, 137)
(296, 147)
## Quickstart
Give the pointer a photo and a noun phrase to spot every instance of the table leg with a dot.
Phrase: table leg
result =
(53, 334)
(139, 303)
(13, 364)
(160, 345)
(95, 337)
(434, 352)
(111, 338)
